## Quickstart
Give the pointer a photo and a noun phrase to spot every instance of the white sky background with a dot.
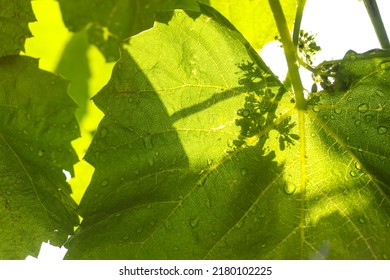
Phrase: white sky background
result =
(340, 25)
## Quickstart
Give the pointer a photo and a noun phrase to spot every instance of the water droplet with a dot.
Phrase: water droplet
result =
(353, 173)
(380, 93)
(209, 161)
(104, 183)
(103, 132)
(338, 111)
(25, 132)
(175, 248)
(150, 162)
(357, 122)
(139, 230)
(126, 237)
(358, 166)
(382, 130)
(8, 192)
(363, 108)
(360, 150)
(194, 222)
(325, 117)
(136, 172)
(368, 118)
(332, 117)
(130, 99)
(316, 109)
(148, 142)
(263, 245)
(385, 64)
(362, 221)
(289, 188)
(40, 153)
(243, 172)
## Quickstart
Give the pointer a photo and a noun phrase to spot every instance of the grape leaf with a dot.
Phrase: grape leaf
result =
(114, 20)
(203, 155)
(14, 19)
(37, 124)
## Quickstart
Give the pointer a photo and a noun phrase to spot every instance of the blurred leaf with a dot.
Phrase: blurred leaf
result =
(36, 127)
(112, 21)
(14, 19)
(202, 155)
(74, 65)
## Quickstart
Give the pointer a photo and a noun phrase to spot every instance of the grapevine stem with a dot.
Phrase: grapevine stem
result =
(298, 20)
(376, 19)
(290, 53)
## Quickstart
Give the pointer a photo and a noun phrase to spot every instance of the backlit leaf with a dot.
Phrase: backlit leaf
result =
(202, 155)
(14, 19)
(37, 124)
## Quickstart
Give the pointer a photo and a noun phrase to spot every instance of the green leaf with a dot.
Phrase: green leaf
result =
(202, 155)
(356, 113)
(14, 19)
(37, 124)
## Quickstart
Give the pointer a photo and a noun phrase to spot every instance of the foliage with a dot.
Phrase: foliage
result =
(201, 153)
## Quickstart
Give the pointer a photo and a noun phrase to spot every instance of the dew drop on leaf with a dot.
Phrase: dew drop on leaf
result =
(353, 173)
(357, 122)
(243, 172)
(362, 221)
(103, 132)
(316, 109)
(380, 93)
(40, 153)
(136, 172)
(194, 222)
(139, 230)
(289, 188)
(363, 108)
(358, 166)
(126, 237)
(148, 142)
(384, 64)
(130, 99)
(150, 162)
(382, 130)
(337, 111)
(104, 183)
(368, 118)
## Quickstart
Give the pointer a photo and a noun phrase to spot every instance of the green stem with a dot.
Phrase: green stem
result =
(290, 53)
(376, 19)
(298, 21)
